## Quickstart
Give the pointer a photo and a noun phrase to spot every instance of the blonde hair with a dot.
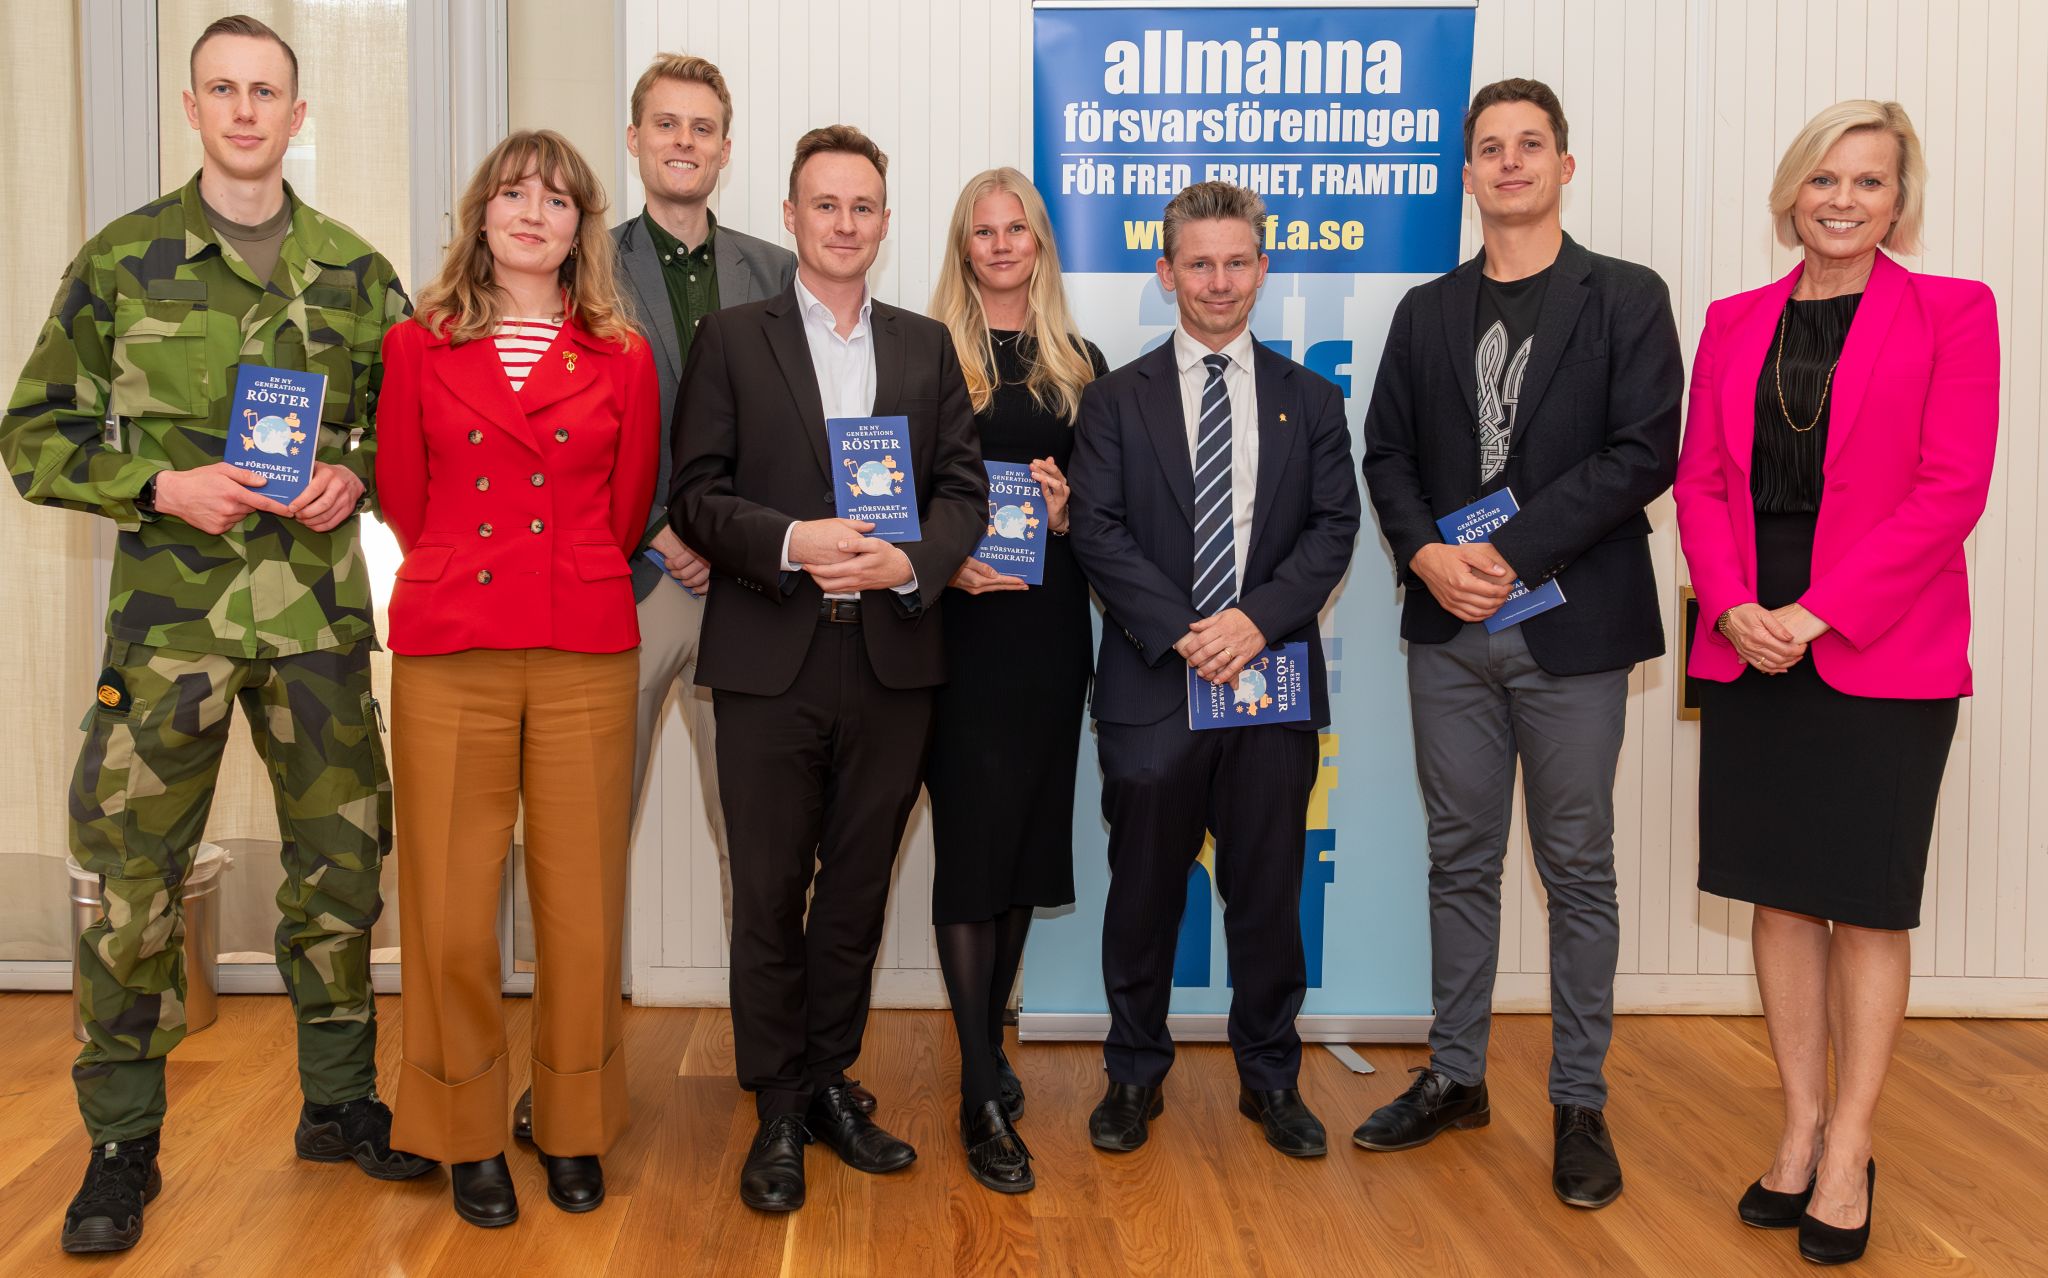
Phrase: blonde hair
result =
(1059, 359)
(683, 68)
(1819, 137)
(463, 302)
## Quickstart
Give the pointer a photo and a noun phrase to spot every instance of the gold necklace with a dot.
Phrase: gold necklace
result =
(1778, 375)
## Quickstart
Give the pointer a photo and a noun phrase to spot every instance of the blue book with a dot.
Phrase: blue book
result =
(1015, 542)
(655, 557)
(274, 427)
(1478, 522)
(1272, 688)
(872, 457)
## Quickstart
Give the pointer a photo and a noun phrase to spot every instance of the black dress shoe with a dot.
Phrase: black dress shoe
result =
(1009, 1087)
(863, 1099)
(106, 1213)
(356, 1131)
(773, 1177)
(996, 1154)
(1762, 1208)
(1290, 1127)
(1585, 1172)
(1432, 1103)
(574, 1184)
(1119, 1121)
(483, 1192)
(522, 1117)
(1825, 1244)
(835, 1120)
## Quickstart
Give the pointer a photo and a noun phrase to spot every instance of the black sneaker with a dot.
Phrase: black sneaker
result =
(358, 1131)
(106, 1214)
(1432, 1103)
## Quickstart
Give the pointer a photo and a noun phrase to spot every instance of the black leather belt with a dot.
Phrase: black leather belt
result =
(843, 611)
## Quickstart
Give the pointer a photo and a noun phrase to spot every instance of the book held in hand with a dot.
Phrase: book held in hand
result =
(274, 427)
(1014, 544)
(1478, 522)
(1272, 688)
(873, 482)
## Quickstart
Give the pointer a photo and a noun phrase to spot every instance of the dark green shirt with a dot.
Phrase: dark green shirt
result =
(691, 276)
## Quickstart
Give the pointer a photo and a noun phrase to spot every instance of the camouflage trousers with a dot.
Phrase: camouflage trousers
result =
(139, 802)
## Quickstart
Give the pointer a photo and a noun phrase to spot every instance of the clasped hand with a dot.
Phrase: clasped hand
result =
(215, 498)
(843, 559)
(1772, 640)
(1471, 581)
(1218, 647)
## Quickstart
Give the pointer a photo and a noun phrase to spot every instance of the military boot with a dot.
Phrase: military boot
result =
(106, 1214)
(358, 1131)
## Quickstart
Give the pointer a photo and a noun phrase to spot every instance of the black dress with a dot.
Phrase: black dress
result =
(1812, 800)
(1007, 727)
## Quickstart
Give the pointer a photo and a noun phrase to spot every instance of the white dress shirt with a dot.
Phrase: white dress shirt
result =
(1241, 386)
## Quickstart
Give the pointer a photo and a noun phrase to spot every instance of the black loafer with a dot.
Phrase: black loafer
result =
(574, 1184)
(838, 1123)
(357, 1131)
(996, 1154)
(773, 1177)
(1585, 1172)
(1009, 1087)
(106, 1213)
(1121, 1121)
(1825, 1244)
(1432, 1104)
(1290, 1127)
(522, 1117)
(1762, 1208)
(483, 1192)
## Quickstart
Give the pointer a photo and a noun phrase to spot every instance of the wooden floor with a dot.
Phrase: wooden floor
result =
(1962, 1151)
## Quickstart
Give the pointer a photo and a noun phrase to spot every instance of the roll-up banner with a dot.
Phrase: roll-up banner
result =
(1348, 121)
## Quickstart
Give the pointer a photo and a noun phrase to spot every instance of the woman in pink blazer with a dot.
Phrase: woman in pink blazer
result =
(1837, 452)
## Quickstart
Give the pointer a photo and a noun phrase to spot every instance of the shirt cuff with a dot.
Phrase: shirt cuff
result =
(908, 587)
(788, 533)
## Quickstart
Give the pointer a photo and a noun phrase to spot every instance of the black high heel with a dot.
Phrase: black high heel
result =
(1824, 1244)
(1763, 1208)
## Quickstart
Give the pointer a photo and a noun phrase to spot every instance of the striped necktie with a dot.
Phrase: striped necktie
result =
(1215, 531)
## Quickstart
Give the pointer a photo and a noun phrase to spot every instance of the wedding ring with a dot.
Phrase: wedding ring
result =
(1230, 652)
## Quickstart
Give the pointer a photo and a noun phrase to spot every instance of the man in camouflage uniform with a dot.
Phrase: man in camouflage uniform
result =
(219, 594)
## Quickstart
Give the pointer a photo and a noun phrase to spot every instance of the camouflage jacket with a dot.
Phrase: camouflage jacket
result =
(133, 374)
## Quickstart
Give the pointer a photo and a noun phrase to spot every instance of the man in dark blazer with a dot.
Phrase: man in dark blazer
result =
(1555, 373)
(822, 646)
(1214, 510)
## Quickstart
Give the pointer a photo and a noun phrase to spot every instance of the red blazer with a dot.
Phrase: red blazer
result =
(516, 512)
(1911, 438)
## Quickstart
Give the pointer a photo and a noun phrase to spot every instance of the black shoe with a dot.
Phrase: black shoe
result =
(1432, 1103)
(996, 1154)
(1585, 1172)
(1009, 1087)
(358, 1131)
(574, 1184)
(1762, 1208)
(483, 1192)
(1824, 1244)
(773, 1177)
(522, 1117)
(1119, 1122)
(835, 1120)
(106, 1213)
(863, 1099)
(1290, 1127)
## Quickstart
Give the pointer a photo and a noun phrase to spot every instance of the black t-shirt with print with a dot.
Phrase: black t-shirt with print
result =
(1502, 337)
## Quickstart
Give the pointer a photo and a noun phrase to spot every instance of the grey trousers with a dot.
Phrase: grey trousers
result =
(670, 621)
(1479, 702)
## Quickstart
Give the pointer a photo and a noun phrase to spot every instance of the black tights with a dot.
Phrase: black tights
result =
(979, 961)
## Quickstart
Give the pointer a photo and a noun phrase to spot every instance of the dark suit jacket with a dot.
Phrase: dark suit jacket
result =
(1132, 516)
(1595, 440)
(750, 450)
(749, 270)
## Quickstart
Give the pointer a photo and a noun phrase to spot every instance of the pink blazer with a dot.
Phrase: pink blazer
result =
(1911, 436)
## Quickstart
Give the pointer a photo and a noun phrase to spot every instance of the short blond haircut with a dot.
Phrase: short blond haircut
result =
(1819, 137)
(684, 68)
(1213, 202)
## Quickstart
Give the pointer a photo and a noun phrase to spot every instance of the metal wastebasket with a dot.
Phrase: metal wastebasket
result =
(201, 899)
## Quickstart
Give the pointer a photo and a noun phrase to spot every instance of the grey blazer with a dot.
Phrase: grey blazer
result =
(749, 270)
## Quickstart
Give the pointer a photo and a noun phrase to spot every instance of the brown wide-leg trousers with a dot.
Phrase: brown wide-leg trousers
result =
(472, 733)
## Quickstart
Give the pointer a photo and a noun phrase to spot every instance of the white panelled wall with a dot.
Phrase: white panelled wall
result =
(1678, 110)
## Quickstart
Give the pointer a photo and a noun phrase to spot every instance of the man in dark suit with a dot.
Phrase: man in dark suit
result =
(1214, 511)
(1554, 372)
(822, 646)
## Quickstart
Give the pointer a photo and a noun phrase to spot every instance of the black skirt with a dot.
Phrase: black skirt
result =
(1812, 800)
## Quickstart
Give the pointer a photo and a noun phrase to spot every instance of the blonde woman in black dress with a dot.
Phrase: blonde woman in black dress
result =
(1008, 723)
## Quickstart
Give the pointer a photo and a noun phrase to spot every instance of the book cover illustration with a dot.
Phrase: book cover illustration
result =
(1017, 525)
(1272, 688)
(1478, 522)
(274, 427)
(874, 482)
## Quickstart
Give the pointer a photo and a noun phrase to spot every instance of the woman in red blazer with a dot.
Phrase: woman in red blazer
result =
(1837, 452)
(516, 460)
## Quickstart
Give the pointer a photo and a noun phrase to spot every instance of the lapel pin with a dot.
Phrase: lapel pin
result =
(569, 361)
(1283, 417)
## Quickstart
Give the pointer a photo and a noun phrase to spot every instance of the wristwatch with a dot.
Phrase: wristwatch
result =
(145, 501)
